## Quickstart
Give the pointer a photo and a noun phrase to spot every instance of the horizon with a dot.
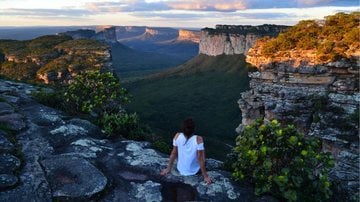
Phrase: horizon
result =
(166, 13)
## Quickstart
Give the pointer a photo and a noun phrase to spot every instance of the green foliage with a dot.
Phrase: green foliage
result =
(50, 54)
(330, 40)
(281, 161)
(53, 99)
(162, 146)
(95, 92)
(82, 45)
(19, 71)
(45, 44)
(124, 125)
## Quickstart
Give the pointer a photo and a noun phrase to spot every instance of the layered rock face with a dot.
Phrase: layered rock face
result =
(231, 39)
(189, 35)
(320, 98)
(107, 34)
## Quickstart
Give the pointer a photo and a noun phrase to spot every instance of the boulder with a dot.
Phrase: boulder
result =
(8, 163)
(14, 121)
(7, 180)
(5, 144)
(73, 177)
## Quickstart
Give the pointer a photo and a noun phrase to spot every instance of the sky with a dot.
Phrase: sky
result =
(167, 13)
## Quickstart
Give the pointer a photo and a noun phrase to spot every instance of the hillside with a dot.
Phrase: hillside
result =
(51, 58)
(132, 64)
(205, 88)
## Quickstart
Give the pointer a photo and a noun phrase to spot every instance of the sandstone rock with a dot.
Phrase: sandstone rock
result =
(148, 191)
(5, 108)
(87, 147)
(230, 40)
(189, 35)
(5, 144)
(14, 121)
(319, 98)
(73, 177)
(138, 154)
(8, 163)
(7, 180)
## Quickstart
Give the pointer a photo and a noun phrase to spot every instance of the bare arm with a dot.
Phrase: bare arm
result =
(201, 159)
(172, 158)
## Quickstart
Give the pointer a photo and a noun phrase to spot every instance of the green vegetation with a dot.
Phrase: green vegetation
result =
(124, 124)
(82, 44)
(19, 71)
(281, 161)
(53, 54)
(95, 92)
(330, 39)
(205, 88)
(100, 98)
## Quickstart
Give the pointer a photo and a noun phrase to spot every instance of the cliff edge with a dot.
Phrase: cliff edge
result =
(234, 39)
(317, 90)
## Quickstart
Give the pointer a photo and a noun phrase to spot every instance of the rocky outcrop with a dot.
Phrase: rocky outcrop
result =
(107, 34)
(57, 157)
(320, 98)
(158, 34)
(123, 32)
(231, 39)
(189, 35)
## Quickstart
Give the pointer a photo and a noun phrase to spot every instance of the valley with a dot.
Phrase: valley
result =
(205, 88)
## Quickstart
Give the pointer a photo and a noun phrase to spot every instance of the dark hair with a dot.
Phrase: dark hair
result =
(188, 127)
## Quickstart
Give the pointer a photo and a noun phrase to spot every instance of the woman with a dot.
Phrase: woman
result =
(189, 149)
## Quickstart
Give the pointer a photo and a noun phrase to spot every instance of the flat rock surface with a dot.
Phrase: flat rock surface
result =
(73, 177)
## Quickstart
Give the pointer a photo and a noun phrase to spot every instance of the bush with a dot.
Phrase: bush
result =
(281, 161)
(162, 146)
(123, 124)
(50, 98)
(95, 92)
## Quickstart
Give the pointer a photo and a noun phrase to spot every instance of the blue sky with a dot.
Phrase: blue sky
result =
(173, 13)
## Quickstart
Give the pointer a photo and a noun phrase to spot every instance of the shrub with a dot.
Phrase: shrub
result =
(95, 92)
(162, 146)
(281, 161)
(123, 124)
(50, 98)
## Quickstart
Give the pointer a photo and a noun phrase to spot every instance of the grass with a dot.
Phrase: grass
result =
(205, 88)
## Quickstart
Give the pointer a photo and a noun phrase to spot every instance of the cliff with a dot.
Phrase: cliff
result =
(189, 35)
(231, 39)
(53, 59)
(46, 155)
(319, 95)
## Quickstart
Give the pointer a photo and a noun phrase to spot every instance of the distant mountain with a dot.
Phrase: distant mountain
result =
(27, 33)
(205, 88)
(166, 41)
(138, 51)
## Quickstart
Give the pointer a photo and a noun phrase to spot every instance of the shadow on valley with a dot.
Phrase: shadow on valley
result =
(205, 88)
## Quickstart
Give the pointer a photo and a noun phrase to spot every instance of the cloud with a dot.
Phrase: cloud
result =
(209, 5)
(126, 6)
(45, 12)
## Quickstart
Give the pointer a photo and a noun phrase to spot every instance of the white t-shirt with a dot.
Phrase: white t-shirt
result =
(187, 154)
